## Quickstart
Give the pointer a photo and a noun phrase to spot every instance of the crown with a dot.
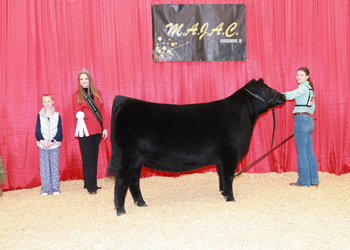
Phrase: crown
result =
(84, 71)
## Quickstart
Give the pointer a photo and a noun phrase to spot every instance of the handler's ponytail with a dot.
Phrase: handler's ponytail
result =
(307, 72)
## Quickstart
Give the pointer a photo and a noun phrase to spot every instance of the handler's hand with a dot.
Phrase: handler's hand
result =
(105, 134)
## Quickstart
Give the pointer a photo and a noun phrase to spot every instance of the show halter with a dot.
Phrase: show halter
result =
(270, 101)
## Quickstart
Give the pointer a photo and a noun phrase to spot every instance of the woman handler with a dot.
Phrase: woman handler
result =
(303, 127)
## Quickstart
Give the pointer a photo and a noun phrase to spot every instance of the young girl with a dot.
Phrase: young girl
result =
(48, 133)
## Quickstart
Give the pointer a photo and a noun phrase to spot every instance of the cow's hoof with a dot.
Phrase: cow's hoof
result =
(141, 204)
(230, 198)
(120, 213)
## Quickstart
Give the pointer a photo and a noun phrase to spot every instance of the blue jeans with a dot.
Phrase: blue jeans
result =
(307, 166)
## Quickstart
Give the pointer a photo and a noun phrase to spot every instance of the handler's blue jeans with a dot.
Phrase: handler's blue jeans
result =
(307, 166)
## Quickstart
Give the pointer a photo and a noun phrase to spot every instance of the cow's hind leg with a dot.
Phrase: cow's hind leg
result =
(135, 189)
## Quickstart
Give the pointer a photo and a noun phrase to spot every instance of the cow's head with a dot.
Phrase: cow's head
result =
(268, 96)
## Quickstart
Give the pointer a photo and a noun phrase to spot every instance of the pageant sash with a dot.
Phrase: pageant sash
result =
(93, 107)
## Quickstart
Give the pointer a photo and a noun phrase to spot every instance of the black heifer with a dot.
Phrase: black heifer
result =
(179, 138)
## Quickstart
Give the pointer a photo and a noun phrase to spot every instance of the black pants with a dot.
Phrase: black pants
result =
(89, 152)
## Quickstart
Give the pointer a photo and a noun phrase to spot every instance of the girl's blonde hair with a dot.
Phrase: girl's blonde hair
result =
(91, 87)
(47, 95)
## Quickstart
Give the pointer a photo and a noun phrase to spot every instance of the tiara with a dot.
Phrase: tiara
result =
(84, 71)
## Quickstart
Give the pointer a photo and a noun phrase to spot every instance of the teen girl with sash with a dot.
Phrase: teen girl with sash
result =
(92, 123)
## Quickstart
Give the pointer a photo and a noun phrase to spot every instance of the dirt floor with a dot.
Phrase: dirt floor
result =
(187, 212)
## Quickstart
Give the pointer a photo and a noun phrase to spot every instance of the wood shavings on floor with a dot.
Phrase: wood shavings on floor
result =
(187, 212)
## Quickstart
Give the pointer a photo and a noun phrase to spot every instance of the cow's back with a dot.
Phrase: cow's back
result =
(176, 138)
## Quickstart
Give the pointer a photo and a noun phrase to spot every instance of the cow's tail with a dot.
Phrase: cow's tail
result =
(112, 165)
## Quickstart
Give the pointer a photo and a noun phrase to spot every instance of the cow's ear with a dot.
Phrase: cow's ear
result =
(251, 81)
(261, 80)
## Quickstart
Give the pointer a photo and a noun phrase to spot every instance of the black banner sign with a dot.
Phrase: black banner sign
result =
(205, 32)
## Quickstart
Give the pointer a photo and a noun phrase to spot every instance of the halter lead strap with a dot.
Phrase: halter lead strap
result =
(260, 98)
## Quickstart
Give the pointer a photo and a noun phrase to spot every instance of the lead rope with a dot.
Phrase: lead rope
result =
(262, 156)
(273, 113)
(273, 133)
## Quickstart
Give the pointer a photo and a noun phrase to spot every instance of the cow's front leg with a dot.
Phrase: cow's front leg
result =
(228, 175)
(135, 189)
(219, 169)
(112, 165)
(228, 193)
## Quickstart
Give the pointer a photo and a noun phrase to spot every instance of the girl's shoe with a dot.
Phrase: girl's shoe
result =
(56, 193)
(44, 194)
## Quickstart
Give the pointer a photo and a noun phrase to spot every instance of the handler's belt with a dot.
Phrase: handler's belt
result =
(94, 108)
(301, 113)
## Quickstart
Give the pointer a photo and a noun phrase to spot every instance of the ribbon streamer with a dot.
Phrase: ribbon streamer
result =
(81, 126)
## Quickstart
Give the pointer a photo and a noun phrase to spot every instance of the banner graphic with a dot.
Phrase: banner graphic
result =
(205, 32)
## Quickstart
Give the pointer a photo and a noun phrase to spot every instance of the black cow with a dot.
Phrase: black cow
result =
(179, 138)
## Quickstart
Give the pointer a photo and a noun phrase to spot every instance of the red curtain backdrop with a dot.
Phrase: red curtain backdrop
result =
(44, 44)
